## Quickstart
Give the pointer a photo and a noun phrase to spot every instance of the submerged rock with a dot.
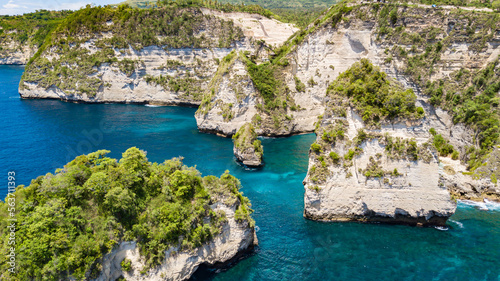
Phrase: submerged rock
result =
(247, 148)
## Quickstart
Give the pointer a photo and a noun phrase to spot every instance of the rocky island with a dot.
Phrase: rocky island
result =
(247, 148)
(103, 219)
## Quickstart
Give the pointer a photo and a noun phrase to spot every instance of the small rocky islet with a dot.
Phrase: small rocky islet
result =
(403, 100)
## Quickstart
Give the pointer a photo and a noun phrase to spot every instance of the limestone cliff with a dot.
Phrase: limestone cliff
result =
(241, 68)
(422, 48)
(369, 165)
(247, 148)
(15, 53)
(235, 239)
(22, 35)
(157, 65)
(401, 45)
(360, 178)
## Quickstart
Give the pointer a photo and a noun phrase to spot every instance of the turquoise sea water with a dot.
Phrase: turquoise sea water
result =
(41, 135)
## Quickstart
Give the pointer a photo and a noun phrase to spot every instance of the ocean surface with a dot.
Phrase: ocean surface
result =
(38, 136)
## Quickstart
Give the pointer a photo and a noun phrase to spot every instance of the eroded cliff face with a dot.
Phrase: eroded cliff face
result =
(399, 48)
(236, 238)
(247, 148)
(328, 51)
(159, 76)
(388, 175)
(231, 100)
(136, 73)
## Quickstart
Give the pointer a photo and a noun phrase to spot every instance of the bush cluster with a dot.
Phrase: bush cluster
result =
(375, 97)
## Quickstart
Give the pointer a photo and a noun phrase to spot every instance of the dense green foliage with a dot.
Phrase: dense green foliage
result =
(299, 12)
(220, 6)
(470, 97)
(28, 30)
(375, 97)
(31, 28)
(176, 26)
(67, 221)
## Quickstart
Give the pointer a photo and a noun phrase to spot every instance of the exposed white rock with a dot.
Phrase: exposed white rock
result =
(247, 156)
(233, 103)
(234, 240)
(412, 194)
(273, 32)
(247, 148)
(120, 87)
(461, 184)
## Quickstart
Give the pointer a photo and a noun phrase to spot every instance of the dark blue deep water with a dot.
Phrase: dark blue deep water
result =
(38, 136)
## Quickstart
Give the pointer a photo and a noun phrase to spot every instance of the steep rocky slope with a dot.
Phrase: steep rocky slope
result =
(21, 36)
(161, 65)
(372, 159)
(446, 56)
(241, 68)
(236, 239)
(412, 44)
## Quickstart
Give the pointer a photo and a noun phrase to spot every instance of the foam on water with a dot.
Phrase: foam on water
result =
(485, 205)
(459, 224)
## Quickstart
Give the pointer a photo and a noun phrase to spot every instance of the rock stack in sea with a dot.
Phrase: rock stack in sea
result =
(247, 148)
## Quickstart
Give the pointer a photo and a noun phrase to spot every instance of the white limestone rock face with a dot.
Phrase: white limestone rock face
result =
(461, 185)
(329, 51)
(247, 148)
(177, 69)
(233, 100)
(248, 156)
(409, 191)
(235, 239)
(12, 52)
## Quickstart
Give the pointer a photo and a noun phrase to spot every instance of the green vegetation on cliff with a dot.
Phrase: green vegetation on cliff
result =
(31, 28)
(469, 94)
(299, 12)
(28, 30)
(67, 221)
(375, 97)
